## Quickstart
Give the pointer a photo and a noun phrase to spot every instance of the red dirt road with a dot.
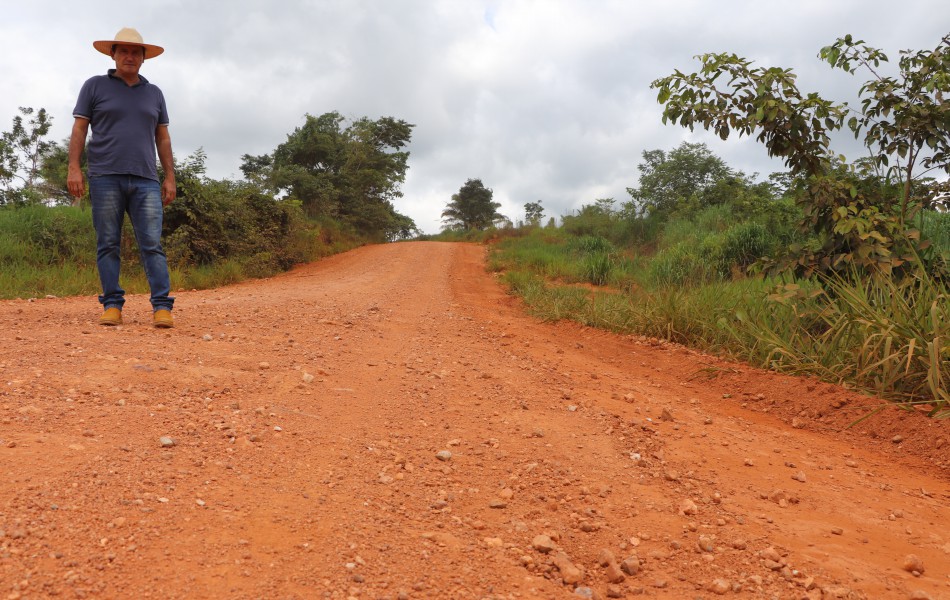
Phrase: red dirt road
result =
(387, 423)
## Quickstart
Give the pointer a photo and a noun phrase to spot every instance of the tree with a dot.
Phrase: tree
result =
(472, 208)
(51, 185)
(533, 213)
(859, 217)
(672, 181)
(351, 173)
(22, 151)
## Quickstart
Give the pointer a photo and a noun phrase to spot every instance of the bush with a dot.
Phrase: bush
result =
(677, 265)
(739, 247)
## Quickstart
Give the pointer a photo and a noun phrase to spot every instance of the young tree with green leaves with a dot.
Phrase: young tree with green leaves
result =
(472, 208)
(860, 220)
(533, 213)
(22, 151)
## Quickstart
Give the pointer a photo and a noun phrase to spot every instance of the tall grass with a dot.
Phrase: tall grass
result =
(52, 251)
(587, 259)
(882, 336)
(879, 336)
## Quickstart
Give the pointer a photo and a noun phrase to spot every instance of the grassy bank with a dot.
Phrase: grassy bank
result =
(878, 336)
(52, 251)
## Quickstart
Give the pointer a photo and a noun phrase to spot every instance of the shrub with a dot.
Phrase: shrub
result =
(677, 266)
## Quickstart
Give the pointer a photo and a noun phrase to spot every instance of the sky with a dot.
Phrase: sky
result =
(542, 100)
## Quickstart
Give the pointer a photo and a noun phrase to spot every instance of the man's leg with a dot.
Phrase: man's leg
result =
(145, 211)
(108, 212)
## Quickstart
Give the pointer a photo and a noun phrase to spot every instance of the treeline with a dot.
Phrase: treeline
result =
(328, 187)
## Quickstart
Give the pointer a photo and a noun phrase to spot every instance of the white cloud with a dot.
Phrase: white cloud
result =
(541, 99)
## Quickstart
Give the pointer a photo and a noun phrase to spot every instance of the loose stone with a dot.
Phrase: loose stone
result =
(912, 564)
(719, 586)
(570, 574)
(614, 573)
(630, 565)
(543, 543)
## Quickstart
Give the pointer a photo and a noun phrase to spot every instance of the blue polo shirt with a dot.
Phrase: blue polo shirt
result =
(123, 119)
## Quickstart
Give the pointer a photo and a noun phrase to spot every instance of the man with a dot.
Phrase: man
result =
(129, 121)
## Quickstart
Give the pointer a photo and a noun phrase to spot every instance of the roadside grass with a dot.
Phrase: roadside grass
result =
(877, 336)
(52, 251)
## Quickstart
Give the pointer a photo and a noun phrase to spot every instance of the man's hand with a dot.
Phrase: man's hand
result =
(168, 190)
(163, 142)
(75, 182)
(77, 140)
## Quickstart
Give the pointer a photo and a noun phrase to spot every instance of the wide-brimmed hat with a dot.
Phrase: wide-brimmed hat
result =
(129, 37)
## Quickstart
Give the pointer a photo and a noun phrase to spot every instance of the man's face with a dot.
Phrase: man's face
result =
(128, 59)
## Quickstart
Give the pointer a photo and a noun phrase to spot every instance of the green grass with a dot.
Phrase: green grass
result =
(52, 251)
(878, 336)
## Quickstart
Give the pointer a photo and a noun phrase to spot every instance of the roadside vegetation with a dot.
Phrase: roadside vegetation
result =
(832, 269)
(327, 189)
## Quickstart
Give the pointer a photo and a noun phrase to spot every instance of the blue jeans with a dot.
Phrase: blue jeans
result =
(112, 197)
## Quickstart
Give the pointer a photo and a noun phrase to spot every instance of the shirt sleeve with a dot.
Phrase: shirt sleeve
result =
(85, 102)
(162, 109)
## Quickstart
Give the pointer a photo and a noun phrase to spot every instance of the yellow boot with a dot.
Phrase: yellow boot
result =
(112, 316)
(163, 319)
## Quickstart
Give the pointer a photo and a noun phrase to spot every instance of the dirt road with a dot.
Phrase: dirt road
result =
(387, 423)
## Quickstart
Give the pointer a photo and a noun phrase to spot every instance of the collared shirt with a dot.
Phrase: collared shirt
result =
(123, 119)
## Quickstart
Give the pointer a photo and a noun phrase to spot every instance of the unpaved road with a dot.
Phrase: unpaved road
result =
(308, 414)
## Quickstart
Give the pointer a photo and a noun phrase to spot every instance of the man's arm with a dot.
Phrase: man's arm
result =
(77, 141)
(163, 141)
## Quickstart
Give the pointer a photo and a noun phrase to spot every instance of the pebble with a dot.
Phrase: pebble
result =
(719, 586)
(166, 441)
(771, 554)
(630, 565)
(543, 543)
(837, 531)
(688, 507)
(800, 476)
(605, 557)
(443, 455)
(497, 504)
(584, 592)
(705, 544)
(570, 574)
(913, 564)
(207, 337)
(920, 595)
(897, 439)
(614, 573)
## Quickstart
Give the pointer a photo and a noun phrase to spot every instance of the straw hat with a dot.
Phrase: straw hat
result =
(129, 37)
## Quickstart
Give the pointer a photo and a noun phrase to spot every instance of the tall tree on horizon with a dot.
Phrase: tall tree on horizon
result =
(472, 208)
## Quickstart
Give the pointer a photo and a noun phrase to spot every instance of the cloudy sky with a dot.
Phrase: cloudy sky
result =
(543, 100)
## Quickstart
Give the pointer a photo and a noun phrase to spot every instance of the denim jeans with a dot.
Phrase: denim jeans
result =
(112, 197)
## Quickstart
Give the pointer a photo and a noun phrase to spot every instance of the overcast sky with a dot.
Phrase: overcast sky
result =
(543, 100)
